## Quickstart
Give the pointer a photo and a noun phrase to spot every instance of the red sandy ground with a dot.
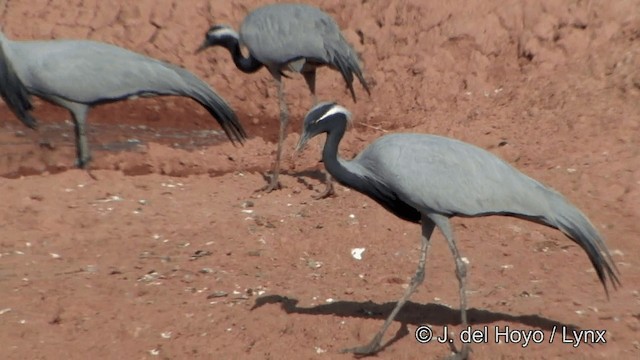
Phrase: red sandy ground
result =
(166, 252)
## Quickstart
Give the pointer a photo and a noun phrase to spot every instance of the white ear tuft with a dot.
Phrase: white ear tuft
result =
(221, 32)
(336, 109)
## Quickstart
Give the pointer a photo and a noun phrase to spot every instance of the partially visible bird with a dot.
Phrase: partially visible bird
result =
(428, 179)
(289, 37)
(78, 74)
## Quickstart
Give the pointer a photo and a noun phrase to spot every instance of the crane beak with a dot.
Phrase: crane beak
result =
(304, 138)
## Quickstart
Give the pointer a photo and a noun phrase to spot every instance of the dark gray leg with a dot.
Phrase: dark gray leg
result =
(375, 345)
(328, 190)
(461, 273)
(284, 122)
(79, 114)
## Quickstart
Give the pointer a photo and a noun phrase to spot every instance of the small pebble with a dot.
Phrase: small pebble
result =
(217, 294)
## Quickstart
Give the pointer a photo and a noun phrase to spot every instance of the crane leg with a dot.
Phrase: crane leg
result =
(274, 183)
(375, 344)
(328, 190)
(310, 79)
(79, 114)
(461, 273)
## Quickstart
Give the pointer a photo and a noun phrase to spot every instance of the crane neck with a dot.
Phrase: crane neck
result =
(339, 168)
(247, 64)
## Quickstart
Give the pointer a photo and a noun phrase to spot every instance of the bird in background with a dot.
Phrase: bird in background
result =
(289, 37)
(79, 74)
(428, 179)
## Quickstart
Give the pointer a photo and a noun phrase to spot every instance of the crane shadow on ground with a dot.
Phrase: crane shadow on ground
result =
(301, 176)
(411, 313)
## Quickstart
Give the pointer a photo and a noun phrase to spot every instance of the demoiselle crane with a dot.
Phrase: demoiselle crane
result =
(428, 179)
(79, 74)
(289, 37)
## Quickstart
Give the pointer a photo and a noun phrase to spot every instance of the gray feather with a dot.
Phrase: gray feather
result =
(277, 34)
(13, 91)
(215, 105)
(571, 221)
(428, 179)
(288, 37)
(78, 74)
(421, 171)
(281, 33)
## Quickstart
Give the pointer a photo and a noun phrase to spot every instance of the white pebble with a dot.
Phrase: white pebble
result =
(357, 253)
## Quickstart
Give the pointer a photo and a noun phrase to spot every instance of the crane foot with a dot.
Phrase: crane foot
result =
(273, 184)
(328, 191)
(82, 162)
(367, 350)
(463, 354)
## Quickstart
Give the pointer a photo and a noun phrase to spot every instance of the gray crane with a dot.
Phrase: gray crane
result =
(289, 37)
(429, 179)
(78, 74)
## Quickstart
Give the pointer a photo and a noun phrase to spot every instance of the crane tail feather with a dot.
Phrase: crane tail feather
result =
(572, 222)
(347, 63)
(14, 92)
(355, 66)
(226, 117)
(215, 105)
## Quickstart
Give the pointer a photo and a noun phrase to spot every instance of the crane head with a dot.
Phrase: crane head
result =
(222, 35)
(321, 118)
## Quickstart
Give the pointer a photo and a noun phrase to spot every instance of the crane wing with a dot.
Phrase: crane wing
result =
(452, 177)
(281, 34)
(446, 176)
(90, 72)
(278, 34)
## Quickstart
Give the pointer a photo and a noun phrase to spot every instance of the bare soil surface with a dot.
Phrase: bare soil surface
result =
(163, 250)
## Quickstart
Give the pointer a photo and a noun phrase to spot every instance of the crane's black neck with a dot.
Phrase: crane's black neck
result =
(336, 166)
(352, 175)
(247, 64)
